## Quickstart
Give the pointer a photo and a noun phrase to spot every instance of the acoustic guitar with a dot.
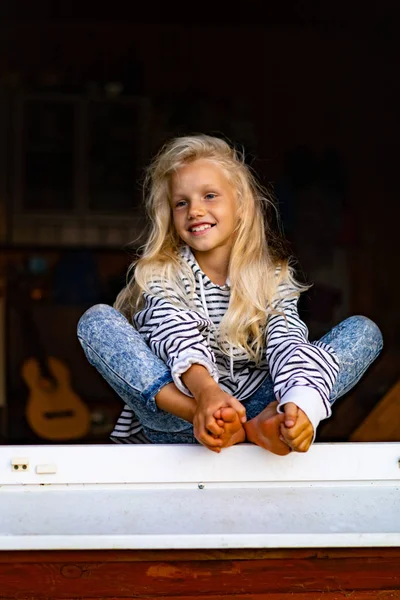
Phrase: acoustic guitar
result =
(53, 411)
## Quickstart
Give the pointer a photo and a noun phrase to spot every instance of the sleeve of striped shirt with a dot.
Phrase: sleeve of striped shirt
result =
(177, 336)
(302, 372)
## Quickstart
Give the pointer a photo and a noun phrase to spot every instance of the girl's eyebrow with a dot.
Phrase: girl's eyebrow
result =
(178, 197)
(204, 186)
(209, 186)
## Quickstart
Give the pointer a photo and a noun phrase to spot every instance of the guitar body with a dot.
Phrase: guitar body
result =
(54, 411)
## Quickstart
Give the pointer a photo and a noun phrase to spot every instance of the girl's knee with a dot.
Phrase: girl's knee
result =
(95, 316)
(368, 328)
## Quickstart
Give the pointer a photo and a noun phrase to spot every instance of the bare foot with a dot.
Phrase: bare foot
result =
(264, 430)
(234, 432)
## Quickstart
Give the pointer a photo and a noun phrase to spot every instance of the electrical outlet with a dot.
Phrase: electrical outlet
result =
(20, 464)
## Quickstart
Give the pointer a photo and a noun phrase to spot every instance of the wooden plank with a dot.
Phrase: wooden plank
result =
(383, 423)
(341, 595)
(104, 556)
(180, 579)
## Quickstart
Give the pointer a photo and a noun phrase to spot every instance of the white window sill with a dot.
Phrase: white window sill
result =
(172, 497)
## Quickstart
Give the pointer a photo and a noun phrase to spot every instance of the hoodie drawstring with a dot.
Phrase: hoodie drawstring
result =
(202, 294)
(205, 307)
(204, 303)
(231, 364)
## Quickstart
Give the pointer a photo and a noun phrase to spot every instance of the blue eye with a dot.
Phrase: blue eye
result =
(210, 196)
(180, 203)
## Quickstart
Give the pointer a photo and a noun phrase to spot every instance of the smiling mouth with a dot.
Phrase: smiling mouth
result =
(201, 228)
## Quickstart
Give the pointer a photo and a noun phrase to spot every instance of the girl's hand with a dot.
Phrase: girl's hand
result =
(205, 426)
(209, 399)
(297, 431)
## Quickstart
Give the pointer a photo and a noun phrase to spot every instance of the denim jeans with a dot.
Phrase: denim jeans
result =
(122, 357)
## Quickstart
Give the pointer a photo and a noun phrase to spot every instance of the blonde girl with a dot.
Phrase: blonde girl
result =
(205, 342)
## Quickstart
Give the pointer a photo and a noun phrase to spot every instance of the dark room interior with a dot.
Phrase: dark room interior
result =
(89, 94)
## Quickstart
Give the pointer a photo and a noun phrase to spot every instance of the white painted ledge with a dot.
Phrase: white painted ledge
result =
(171, 497)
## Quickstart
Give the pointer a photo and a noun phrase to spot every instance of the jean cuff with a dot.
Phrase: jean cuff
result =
(150, 393)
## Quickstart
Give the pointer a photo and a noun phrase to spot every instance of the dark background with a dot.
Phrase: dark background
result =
(87, 96)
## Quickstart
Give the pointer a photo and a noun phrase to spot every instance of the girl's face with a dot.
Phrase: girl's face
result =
(204, 208)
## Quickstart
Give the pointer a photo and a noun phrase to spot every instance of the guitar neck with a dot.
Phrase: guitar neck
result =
(36, 349)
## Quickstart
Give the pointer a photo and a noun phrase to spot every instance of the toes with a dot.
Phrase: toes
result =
(228, 414)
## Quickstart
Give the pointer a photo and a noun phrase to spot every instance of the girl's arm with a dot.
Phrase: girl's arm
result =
(176, 336)
(303, 373)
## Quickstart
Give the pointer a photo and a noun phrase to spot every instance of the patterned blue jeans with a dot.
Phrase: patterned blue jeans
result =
(123, 358)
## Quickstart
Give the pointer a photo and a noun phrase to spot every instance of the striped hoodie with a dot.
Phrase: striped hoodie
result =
(303, 372)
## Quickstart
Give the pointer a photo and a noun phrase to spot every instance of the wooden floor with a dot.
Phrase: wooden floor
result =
(337, 574)
(369, 412)
(383, 421)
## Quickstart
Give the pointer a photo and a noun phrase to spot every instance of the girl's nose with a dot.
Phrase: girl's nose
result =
(196, 210)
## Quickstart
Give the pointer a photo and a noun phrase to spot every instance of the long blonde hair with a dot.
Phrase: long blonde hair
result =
(258, 262)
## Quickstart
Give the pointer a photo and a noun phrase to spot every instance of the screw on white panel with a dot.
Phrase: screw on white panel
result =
(20, 464)
(201, 486)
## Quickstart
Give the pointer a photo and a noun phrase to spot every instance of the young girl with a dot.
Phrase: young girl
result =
(217, 352)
